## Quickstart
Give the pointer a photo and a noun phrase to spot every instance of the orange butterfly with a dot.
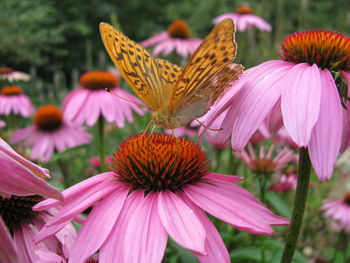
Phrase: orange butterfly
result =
(175, 95)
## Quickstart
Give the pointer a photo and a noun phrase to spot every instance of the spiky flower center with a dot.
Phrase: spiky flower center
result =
(97, 80)
(5, 70)
(179, 29)
(17, 210)
(327, 49)
(159, 162)
(263, 166)
(48, 118)
(11, 91)
(347, 198)
(244, 10)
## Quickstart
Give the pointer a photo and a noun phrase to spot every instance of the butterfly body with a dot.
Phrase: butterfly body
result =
(175, 95)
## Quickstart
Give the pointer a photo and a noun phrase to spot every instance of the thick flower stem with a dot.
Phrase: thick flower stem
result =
(304, 173)
(101, 143)
(65, 172)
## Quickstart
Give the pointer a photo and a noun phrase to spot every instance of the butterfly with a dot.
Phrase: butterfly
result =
(175, 95)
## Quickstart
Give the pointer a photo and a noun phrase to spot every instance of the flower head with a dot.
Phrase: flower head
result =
(87, 103)
(339, 210)
(19, 223)
(50, 132)
(160, 186)
(265, 163)
(285, 182)
(245, 19)
(12, 100)
(177, 37)
(308, 89)
(9, 74)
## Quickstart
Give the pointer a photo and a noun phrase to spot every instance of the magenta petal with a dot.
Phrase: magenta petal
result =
(7, 248)
(98, 225)
(300, 101)
(327, 134)
(145, 238)
(234, 205)
(181, 223)
(225, 177)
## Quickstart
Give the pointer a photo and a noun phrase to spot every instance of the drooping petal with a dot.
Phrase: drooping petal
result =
(300, 101)
(8, 251)
(98, 225)
(234, 205)
(181, 223)
(214, 245)
(326, 137)
(252, 104)
(75, 190)
(145, 227)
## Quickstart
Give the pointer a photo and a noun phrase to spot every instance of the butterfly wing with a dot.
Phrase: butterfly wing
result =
(199, 101)
(136, 65)
(197, 81)
(169, 74)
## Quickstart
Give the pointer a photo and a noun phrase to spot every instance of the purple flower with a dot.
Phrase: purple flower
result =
(160, 186)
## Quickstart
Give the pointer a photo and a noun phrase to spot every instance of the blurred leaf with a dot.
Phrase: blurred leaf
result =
(246, 253)
(279, 204)
(67, 152)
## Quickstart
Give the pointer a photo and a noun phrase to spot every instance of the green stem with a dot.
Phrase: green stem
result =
(337, 246)
(304, 173)
(65, 173)
(101, 143)
(262, 179)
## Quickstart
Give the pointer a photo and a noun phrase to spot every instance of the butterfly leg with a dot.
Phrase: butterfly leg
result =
(211, 129)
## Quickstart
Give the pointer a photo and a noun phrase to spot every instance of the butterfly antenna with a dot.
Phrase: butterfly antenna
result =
(211, 129)
(115, 94)
(144, 132)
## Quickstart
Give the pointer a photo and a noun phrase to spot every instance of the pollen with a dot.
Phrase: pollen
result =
(347, 198)
(97, 80)
(5, 70)
(11, 91)
(244, 10)
(159, 162)
(327, 49)
(48, 118)
(179, 29)
(17, 210)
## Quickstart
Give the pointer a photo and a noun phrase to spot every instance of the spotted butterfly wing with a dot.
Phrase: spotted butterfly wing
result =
(208, 73)
(136, 65)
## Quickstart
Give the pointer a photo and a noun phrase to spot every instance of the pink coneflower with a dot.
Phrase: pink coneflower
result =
(19, 225)
(10, 75)
(91, 100)
(12, 100)
(95, 161)
(19, 176)
(308, 89)
(51, 132)
(339, 210)
(176, 38)
(266, 163)
(285, 182)
(160, 186)
(2, 124)
(244, 19)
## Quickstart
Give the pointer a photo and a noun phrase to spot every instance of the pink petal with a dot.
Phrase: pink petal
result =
(98, 225)
(214, 245)
(145, 238)
(300, 101)
(252, 104)
(327, 134)
(181, 223)
(75, 190)
(233, 205)
(110, 252)
(8, 251)
(225, 177)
